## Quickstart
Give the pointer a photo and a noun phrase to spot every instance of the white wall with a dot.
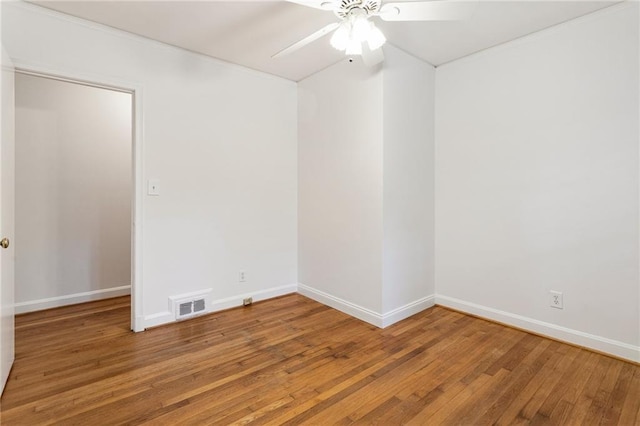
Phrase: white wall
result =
(73, 192)
(365, 167)
(537, 182)
(221, 140)
(408, 248)
(340, 185)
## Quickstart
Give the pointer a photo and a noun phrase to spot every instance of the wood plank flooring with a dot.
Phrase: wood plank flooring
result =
(294, 361)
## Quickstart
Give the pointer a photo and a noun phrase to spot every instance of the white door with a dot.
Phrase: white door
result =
(7, 255)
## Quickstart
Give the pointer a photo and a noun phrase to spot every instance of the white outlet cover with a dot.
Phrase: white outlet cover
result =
(555, 299)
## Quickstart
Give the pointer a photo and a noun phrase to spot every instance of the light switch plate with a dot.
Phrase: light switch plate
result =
(153, 187)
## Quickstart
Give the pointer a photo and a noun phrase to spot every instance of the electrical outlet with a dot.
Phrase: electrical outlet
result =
(242, 276)
(555, 299)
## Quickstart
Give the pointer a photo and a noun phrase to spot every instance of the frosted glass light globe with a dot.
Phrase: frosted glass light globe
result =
(376, 39)
(340, 38)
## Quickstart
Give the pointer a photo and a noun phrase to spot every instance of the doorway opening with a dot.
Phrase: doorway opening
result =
(76, 180)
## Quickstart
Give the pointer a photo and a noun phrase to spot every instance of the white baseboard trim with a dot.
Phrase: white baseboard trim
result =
(408, 310)
(71, 299)
(579, 338)
(159, 318)
(235, 301)
(342, 305)
(364, 314)
(166, 317)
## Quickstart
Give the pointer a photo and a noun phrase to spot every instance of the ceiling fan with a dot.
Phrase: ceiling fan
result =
(356, 34)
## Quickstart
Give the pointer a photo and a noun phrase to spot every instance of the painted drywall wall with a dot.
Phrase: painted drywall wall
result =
(219, 138)
(73, 192)
(365, 163)
(537, 181)
(408, 186)
(340, 186)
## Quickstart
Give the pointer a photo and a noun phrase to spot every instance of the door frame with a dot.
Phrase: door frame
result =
(7, 286)
(137, 156)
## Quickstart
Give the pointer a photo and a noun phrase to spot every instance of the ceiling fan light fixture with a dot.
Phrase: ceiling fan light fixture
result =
(361, 28)
(341, 37)
(354, 31)
(355, 26)
(354, 47)
(376, 39)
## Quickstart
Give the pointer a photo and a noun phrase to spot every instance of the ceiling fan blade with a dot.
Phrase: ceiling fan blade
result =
(316, 4)
(434, 10)
(370, 57)
(310, 38)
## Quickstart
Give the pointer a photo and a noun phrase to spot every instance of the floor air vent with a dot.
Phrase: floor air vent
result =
(189, 305)
(189, 309)
(198, 305)
(185, 309)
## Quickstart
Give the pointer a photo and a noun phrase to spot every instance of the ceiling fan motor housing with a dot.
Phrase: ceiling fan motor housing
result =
(346, 6)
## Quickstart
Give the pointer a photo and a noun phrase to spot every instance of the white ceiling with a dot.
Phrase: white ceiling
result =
(249, 32)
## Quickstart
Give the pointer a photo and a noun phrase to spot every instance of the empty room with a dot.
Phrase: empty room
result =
(320, 212)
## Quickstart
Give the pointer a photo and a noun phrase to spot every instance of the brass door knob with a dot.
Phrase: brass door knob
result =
(5, 243)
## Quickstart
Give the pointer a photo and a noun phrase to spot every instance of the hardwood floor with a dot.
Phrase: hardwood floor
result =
(291, 361)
